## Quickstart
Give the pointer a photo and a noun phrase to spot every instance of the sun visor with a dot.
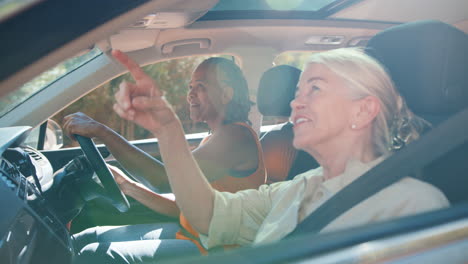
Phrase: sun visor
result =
(140, 39)
(144, 32)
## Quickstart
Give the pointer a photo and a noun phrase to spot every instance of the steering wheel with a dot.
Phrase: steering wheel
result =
(111, 188)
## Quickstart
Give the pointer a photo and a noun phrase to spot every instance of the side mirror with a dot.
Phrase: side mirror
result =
(53, 136)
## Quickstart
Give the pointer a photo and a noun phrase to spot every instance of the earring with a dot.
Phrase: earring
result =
(353, 126)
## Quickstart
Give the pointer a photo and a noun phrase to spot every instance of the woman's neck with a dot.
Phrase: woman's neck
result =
(214, 124)
(334, 159)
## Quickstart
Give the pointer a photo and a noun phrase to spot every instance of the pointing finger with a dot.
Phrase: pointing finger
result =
(135, 70)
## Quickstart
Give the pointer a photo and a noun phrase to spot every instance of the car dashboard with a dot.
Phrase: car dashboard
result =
(30, 230)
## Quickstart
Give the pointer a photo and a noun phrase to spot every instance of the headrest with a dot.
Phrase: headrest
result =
(276, 90)
(428, 62)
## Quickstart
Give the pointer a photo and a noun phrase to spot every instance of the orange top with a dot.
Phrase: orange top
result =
(278, 153)
(227, 183)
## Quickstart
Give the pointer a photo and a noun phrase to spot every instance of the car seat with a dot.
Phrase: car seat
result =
(428, 62)
(276, 90)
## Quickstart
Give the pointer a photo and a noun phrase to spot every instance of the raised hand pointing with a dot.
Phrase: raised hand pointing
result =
(141, 102)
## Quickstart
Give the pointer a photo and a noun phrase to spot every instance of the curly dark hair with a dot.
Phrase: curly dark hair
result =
(227, 72)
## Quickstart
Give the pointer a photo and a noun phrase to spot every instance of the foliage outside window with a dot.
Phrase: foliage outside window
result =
(173, 77)
(293, 58)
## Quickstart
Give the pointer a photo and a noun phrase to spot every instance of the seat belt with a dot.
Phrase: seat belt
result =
(416, 155)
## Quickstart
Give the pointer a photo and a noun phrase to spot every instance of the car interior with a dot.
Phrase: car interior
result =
(276, 90)
(437, 91)
(426, 59)
(433, 92)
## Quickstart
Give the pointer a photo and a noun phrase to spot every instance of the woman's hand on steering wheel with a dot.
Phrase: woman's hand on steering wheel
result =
(121, 178)
(81, 124)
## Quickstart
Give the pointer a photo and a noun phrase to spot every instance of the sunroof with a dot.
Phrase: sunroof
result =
(271, 5)
(275, 9)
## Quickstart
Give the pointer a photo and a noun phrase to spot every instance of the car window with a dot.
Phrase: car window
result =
(173, 77)
(293, 58)
(19, 96)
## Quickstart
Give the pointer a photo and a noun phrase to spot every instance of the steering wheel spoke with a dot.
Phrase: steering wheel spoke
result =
(110, 190)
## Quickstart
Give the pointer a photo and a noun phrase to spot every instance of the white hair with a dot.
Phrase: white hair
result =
(395, 125)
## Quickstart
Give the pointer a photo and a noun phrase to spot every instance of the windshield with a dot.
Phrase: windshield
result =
(20, 95)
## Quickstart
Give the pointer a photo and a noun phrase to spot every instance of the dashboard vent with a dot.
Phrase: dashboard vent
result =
(3, 165)
(35, 155)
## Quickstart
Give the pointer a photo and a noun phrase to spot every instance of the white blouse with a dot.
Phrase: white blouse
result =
(273, 211)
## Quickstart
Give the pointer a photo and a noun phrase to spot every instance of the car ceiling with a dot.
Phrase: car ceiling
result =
(448, 11)
(361, 19)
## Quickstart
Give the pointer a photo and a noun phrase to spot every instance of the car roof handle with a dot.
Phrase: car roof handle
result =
(203, 43)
